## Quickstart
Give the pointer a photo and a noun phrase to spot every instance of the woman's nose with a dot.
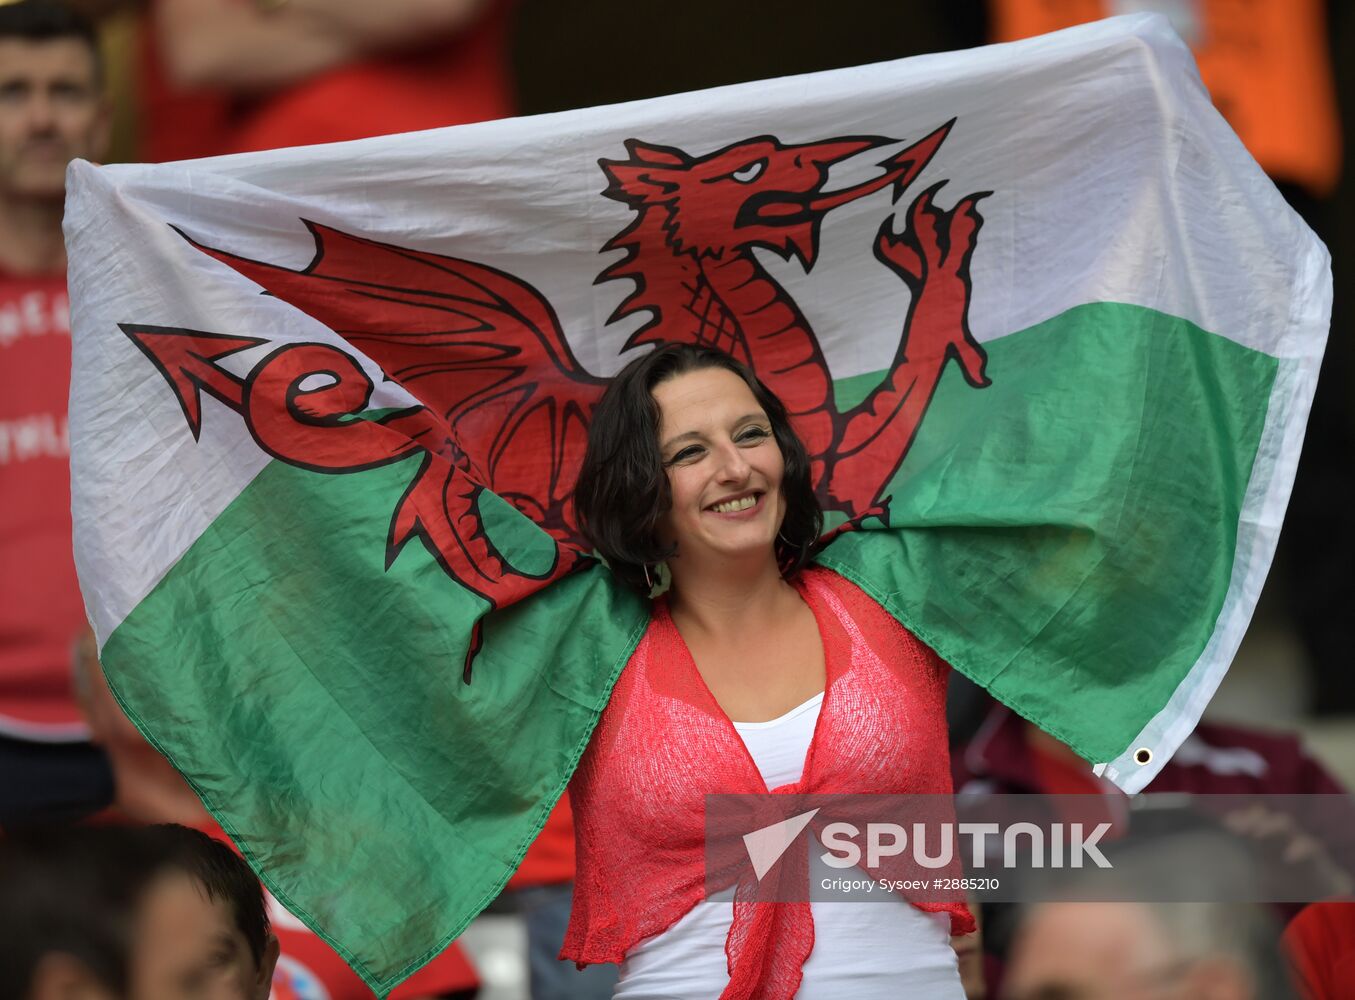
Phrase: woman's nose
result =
(733, 464)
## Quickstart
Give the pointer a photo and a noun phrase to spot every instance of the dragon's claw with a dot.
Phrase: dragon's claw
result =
(925, 219)
(898, 252)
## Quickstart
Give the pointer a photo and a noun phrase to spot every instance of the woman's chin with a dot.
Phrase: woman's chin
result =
(747, 546)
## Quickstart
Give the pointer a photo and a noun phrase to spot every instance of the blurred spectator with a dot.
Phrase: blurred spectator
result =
(68, 898)
(149, 790)
(1009, 754)
(1089, 950)
(222, 76)
(1215, 950)
(969, 953)
(203, 930)
(1320, 942)
(51, 112)
(153, 913)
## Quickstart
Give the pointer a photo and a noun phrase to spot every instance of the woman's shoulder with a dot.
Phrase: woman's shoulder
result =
(820, 580)
(845, 598)
(827, 589)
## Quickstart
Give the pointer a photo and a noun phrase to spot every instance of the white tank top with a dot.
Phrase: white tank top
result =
(867, 951)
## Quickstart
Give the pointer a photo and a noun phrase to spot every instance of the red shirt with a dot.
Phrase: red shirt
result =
(451, 81)
(41, 611)
(550, 859)
(1320, 942)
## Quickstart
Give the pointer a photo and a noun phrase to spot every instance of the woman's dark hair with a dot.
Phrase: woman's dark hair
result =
(622, 491)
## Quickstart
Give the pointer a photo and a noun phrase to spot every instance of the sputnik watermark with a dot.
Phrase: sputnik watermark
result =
(902, 885)
(1024, 848)
(885, 840)
(1050, 845)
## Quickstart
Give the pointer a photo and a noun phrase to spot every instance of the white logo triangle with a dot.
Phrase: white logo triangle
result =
(766, 846)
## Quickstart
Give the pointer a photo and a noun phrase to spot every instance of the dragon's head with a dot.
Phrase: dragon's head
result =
(756, 193)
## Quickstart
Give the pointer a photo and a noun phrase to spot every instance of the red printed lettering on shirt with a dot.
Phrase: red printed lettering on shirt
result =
(35, 313)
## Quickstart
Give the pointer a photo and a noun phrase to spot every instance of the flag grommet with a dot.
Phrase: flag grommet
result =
(1142, 756)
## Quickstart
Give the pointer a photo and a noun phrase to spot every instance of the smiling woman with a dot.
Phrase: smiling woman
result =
(758, 672)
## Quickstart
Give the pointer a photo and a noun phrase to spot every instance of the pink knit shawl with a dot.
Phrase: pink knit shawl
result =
(663, 744)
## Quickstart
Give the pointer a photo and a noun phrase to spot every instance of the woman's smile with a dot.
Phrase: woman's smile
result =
(746, 504)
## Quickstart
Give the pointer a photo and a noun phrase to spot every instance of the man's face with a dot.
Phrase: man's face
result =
(1092, 951)
(187, 947)
(51, 112)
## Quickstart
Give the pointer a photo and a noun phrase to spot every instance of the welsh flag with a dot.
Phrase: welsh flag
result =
(1049, 334)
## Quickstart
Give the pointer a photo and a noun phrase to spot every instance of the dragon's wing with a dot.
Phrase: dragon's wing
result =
(477, 346)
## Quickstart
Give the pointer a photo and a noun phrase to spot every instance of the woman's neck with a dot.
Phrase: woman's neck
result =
(727, 600)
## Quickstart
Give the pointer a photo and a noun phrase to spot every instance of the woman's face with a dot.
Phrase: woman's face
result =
(724, 466)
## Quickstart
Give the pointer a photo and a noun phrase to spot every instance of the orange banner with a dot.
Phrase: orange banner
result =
(1266, 64)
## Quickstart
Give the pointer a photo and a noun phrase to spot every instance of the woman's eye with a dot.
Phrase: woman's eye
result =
(753, 434)
(685, 454)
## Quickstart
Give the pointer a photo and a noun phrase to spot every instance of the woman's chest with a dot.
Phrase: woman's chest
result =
(766, 676)
(870, 732)
(668, 737)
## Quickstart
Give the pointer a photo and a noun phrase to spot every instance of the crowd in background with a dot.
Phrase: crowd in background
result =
(116, 882)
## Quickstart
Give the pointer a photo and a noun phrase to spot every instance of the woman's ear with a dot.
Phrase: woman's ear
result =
(263, 980)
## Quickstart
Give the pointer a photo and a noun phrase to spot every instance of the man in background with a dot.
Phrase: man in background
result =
(51, 112)
(1150, 943)
(130, 913)
(67, 900)
(203, 929)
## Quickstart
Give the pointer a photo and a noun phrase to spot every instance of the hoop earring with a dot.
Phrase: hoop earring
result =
(658, 584)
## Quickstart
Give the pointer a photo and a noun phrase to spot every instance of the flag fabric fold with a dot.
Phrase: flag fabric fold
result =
(1048, 332)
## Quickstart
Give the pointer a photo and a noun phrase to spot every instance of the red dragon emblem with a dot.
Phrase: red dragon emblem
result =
(503, 405)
